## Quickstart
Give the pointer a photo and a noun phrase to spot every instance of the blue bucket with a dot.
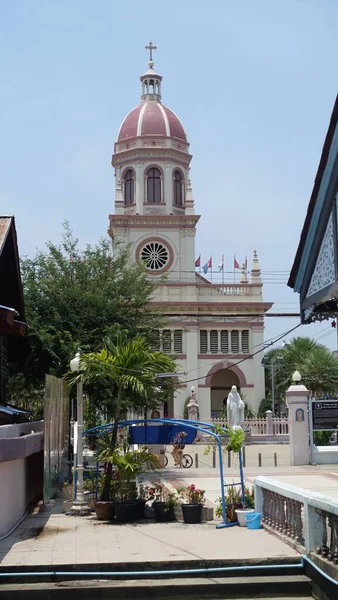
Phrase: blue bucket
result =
(253, 520)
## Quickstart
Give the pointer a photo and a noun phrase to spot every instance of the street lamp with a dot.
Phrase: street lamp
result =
(80, 508)
(272, 364)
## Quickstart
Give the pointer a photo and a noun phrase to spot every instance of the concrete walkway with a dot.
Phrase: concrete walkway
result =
(55, 539)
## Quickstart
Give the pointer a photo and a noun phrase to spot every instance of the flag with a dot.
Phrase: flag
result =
(207, 266)
(221, 264)
(198, 261)
(236, 265)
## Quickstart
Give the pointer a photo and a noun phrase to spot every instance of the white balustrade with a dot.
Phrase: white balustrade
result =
(225, 290)
(280, 426)
(305, 517)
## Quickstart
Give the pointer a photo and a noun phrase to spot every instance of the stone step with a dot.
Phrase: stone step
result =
(248, 588)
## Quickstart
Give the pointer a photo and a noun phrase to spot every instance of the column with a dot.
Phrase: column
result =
(297, 402)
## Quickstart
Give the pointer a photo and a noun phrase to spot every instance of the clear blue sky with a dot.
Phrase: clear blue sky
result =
(253, 81)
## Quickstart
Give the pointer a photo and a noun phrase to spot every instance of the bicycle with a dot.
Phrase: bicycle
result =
(186, 461)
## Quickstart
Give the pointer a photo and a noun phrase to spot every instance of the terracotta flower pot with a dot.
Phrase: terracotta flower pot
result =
(231, 512)
(104, 510)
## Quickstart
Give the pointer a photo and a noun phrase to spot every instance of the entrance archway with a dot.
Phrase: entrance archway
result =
(221, 384)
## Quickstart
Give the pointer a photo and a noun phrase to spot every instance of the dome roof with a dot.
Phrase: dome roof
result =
(151, 118)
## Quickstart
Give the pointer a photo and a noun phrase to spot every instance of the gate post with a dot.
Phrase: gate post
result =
(297, 403)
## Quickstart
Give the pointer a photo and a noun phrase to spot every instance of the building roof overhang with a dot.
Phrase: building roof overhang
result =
(328, 156)
(318, 290)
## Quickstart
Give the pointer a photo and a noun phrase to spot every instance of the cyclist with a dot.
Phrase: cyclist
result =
(178, 448)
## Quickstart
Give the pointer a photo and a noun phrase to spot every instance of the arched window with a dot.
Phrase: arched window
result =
(178, 195)
(154, 185)
(129, 187)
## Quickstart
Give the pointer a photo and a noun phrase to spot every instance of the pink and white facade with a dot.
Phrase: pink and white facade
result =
(210, 327)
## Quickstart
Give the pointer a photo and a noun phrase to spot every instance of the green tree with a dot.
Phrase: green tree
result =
(316, 364)
(130, 369)
(75, 299)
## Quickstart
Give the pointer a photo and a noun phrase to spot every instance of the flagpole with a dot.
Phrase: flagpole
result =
(211, 269)
(200, 268)
(234, 269)
(222, 269)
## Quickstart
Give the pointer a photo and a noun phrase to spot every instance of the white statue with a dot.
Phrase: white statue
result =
(235, 409)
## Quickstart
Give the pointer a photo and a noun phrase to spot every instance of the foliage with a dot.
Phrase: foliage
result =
(130, 369)
(75, 298)
(126, 466)
(25, 394)
(160, 493)
(191, 494)
(316, 364)
(89, 483)
(232, 438)
(233, 495)
(266, 404)
(236, 439)
(322, 438)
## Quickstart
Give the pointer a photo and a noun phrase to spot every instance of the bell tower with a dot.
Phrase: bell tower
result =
(154, 207)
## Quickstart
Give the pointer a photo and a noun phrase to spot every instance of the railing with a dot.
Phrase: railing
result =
(271, 426)
(268, 429)
(280, 426)
(303, 517)
(227, 289)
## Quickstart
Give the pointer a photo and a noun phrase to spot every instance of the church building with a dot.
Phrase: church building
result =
(213, 329)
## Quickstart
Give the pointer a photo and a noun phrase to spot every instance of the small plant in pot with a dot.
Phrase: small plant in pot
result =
(128, 507)
(164, 503)
(248, 507)
(234, 502)
(192, 506)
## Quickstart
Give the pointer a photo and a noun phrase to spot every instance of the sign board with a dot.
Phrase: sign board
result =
(325, 415)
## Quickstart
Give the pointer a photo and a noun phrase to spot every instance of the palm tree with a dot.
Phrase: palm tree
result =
(316, 364)
(129, 368)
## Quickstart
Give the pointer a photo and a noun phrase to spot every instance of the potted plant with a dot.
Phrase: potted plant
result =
(128, 507)
(164, 503)
(236, 439)
(193, 505)
(234, 502)
(249, 496)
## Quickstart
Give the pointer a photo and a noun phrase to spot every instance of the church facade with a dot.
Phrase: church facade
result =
(212, 329)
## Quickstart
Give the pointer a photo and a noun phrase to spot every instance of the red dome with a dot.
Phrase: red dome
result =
(151, 119)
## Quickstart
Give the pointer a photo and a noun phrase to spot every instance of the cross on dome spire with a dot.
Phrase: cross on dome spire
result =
(151, 81)
(151, 47)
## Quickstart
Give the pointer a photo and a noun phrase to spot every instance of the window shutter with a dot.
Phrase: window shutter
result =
(178, 341)
(166, 341)
(203, 341)
(235, 342)
(214, 341)
(224, 342)
(245, 341)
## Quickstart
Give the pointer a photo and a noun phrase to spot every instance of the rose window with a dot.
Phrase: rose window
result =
(155, 255)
